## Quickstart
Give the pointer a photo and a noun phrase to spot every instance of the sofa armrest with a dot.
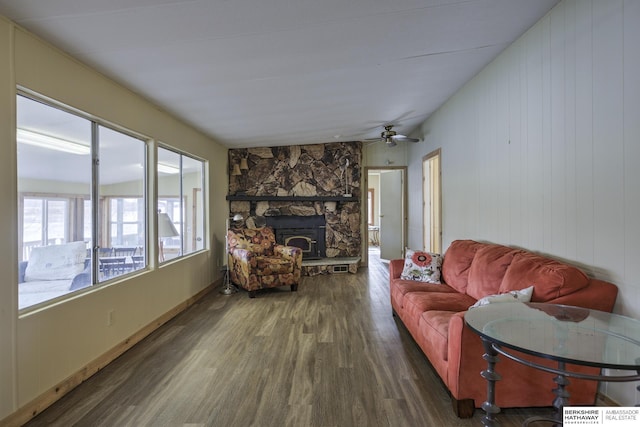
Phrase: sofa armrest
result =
(465, 353)
(22, 268)
(288, 252)
(395, 268)
(239, 266)
(242, 255)
(597, 295)
(82, 280)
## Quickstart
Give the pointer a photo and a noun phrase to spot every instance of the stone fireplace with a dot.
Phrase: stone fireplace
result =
(309, 195)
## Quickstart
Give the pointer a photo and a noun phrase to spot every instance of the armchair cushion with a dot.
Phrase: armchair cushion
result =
(267, 265)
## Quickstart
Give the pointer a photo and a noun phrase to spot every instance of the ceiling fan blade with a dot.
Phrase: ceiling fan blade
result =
(390, 137)
(402, 138)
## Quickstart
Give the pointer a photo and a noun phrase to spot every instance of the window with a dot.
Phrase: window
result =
(83, 199)
(45, 223)
(180, 184)
(72, 208)
(126, 222)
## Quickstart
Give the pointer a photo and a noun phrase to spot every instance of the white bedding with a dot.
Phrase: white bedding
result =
(35, 292)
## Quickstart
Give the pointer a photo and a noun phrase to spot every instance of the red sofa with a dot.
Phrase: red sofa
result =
(434, 315)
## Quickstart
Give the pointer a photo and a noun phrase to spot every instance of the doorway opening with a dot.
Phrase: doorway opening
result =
(385, 213)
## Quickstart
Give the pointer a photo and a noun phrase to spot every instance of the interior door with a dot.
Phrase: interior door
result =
(391, 214)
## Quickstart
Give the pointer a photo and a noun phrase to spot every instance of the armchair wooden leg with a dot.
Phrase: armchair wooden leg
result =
(294, 288)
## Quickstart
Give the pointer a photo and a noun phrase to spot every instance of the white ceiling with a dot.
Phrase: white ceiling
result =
(285, 72)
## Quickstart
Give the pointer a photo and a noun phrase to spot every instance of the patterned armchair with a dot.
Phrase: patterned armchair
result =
(256, 261)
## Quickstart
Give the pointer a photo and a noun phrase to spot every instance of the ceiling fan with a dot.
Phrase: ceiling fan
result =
(391, 137)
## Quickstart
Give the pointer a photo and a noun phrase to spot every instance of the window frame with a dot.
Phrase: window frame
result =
(184, 222)
(96, 202)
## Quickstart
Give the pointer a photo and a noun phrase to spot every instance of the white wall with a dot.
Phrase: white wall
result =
(541, 149)
(40, 349)
(8, 229)
(379, 154)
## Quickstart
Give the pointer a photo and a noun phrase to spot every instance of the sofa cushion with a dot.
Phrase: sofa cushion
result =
(56, 262)
(400, 287)
(422, 266)
(456, 263)
(488, 268)
(551, 279)
(416, 303)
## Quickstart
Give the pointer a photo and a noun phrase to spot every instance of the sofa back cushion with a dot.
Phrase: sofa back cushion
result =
(56, 262)
(457, 260)
(551, 279)
(488, 269)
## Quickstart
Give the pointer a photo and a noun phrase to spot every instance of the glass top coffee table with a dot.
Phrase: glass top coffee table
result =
(565, 334)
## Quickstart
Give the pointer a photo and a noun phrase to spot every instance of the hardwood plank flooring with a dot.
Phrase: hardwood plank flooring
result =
(330, 354)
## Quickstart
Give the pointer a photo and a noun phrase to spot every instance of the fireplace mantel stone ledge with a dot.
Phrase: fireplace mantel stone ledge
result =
(246, 198)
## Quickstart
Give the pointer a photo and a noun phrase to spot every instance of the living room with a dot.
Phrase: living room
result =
(538, 152)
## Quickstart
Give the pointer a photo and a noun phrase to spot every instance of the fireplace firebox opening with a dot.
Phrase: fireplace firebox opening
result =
(304, 232)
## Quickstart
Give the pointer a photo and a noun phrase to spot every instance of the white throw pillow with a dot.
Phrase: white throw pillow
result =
(56, 262)
(422, 266)
(522, 295)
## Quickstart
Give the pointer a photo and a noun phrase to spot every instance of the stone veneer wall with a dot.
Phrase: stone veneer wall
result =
(317, 171)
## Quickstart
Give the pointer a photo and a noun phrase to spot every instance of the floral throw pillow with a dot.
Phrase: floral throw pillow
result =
(422, 266)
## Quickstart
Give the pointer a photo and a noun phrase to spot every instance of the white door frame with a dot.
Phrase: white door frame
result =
(432, 201)
(365, 208)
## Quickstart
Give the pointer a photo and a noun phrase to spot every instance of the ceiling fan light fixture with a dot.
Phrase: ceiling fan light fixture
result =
(391, 137)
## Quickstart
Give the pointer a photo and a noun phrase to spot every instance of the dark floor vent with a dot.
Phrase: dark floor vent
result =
(340, 268)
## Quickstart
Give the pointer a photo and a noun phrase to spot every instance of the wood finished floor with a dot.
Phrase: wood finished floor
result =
(329, 355)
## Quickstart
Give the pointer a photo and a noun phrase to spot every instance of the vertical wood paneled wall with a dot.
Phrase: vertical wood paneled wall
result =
(542, 148)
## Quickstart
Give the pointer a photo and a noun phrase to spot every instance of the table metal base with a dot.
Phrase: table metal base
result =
(491, 355)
